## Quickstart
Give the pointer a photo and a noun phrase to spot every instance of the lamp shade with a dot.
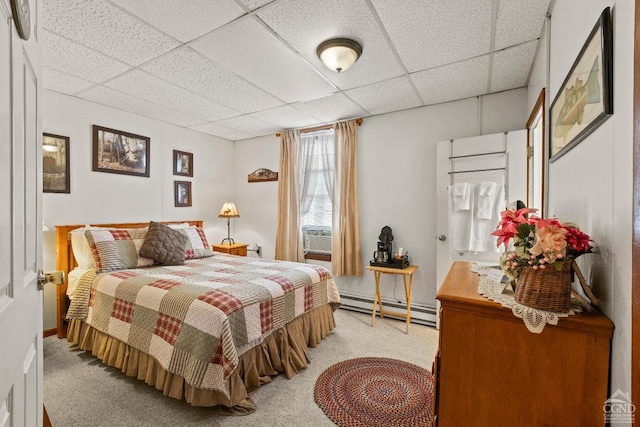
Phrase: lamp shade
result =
(228, 210)
(339, 54)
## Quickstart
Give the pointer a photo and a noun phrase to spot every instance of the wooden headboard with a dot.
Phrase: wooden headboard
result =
(65, 261)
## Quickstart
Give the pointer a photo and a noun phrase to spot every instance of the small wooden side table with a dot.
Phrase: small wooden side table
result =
(406, 272)
(231, 248)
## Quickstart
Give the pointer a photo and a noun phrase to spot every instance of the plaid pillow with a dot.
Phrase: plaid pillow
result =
(117, 248)
(197, 245)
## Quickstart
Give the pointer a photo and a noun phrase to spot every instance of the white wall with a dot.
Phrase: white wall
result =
(257, 202)
(591, 184)
(396, 177)
(98, 197)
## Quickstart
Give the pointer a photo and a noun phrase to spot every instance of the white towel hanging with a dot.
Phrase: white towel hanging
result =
(486, 199)
(460, 195)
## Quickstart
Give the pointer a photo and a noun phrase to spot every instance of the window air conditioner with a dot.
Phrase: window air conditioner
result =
(317, 239)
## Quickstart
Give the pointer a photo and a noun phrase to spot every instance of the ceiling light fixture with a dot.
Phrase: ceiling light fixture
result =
(339, 54)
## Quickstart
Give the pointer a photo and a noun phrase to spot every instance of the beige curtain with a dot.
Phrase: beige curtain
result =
(289, 235)
(345, 233)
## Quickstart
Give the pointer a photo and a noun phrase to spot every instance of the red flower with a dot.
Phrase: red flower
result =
(577, 240)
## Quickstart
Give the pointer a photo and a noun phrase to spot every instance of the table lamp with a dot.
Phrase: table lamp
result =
(228, 211)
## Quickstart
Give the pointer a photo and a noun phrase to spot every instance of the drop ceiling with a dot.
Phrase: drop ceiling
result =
(239, 69)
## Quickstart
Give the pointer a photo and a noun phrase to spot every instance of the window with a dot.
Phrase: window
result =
(316, 193)
(317, 158)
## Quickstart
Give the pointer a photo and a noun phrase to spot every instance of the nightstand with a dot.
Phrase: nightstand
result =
(231, 249)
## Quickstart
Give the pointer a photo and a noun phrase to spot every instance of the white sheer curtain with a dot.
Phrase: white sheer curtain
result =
(288, 234)
(317, 165)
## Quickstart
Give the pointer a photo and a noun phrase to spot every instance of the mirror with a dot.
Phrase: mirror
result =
(536, 155)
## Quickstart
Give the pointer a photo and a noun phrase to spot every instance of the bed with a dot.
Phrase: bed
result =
(209, 330)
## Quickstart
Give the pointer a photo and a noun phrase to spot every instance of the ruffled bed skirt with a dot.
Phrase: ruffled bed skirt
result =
(284, 351)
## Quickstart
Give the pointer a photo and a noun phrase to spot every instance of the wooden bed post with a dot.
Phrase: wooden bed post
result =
(63, 249)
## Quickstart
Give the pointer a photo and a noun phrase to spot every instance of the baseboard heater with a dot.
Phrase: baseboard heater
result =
(420, 314)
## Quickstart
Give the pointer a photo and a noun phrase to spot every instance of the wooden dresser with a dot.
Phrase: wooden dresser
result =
(231, 248)
(491, 371)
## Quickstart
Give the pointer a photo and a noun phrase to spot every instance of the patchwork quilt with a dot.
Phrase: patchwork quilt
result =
(197, 319)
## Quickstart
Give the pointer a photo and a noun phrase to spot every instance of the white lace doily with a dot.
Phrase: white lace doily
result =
(533, 318)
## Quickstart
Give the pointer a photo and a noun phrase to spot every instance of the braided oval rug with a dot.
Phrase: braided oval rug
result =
(376, 392)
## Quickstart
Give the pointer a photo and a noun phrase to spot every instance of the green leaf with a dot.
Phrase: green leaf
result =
(523, 231)
(558, 264)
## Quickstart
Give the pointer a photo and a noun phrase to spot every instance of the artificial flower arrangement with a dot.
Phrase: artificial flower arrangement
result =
(537, 243)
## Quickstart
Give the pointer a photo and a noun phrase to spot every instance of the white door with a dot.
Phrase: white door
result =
(20, 221)
(465, 151)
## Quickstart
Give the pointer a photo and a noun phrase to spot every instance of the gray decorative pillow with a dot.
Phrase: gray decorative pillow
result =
(164, 244)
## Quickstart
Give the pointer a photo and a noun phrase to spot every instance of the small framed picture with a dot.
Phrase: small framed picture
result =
(55, 164)
(182, 163)
(182, 191)
(120, 152)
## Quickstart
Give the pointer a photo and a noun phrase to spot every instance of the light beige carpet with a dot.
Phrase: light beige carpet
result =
(79, 390)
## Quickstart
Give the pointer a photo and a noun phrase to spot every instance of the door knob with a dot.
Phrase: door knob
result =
(442, 237)
(56, 277)
(42, 280)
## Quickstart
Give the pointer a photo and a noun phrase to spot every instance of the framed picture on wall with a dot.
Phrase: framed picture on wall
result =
(55, 164)
(182, 163)
(182, 192)
(115, 151)
(585, 98)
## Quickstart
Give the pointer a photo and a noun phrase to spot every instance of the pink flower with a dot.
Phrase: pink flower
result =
(508, 226)
(550, 240)
(538, 243)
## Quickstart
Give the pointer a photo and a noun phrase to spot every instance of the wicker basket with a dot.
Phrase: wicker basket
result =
(548, 289)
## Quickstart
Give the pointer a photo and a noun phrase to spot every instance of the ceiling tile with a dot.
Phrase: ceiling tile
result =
(511, 67)
(79, 61)
(390, 95)
(430, 33)
(62, 82)
(255, 70)
(304, 24)
(287, 117)
(254, 4)
(519, 21)
(153, 89)
(221, 131)
(190, 70)
(251, 51)
(106, 28)
(250, 125)
(186, 19)
(331, 108)
(456, 81)
(121, 101)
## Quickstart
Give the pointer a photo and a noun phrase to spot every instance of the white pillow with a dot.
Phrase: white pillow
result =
(81, 249)
(180, 226)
